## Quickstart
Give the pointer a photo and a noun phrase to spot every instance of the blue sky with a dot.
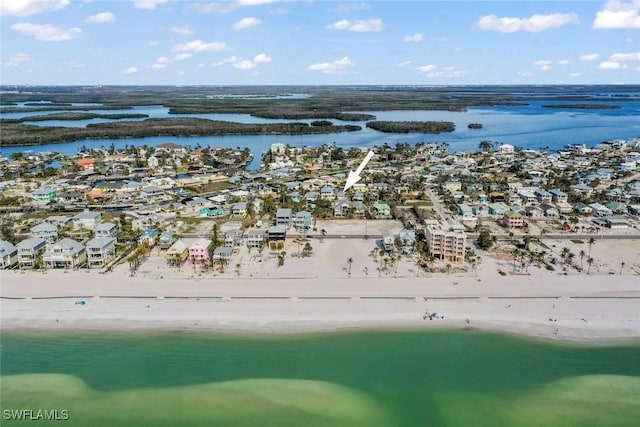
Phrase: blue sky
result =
(262, 42)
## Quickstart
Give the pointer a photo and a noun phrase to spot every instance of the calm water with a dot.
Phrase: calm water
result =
(529, 126)
(443, 378)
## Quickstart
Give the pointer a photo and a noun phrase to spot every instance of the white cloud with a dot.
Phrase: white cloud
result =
(261, 57)
(17, 59)
(339, 66)
(247, 22)
(351, 7)
(413, 38)
(279, 11)
(254, 2)
(30, 7)
(427, 68)
(163, 61)
(404, 64)
(543, 64)
(618, 15)
(219, 7)
(611, 65)
(130, 70)
(153, 43)
(534, 23)
(148, 4)
(47, 32)
(433, 71)
(359, 25)
(200, 46)
(101, 17)
(183, 31)
(629, 56)
(563, 61)
(589, 57)
(244, 65)
(228, 60)
(574, 75)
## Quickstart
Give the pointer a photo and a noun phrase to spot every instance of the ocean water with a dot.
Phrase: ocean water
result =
(384, 378)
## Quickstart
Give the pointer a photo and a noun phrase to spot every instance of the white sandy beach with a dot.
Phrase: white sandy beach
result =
(316, 294)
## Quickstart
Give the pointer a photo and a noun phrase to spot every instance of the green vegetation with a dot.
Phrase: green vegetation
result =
(412, 126)
(21, 134)
(73, 116)
(474, 125)
(485, 239)
(583, 106)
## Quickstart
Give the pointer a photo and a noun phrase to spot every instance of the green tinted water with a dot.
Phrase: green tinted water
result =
(390, 378)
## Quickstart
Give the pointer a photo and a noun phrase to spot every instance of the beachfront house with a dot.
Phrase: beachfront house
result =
(222, 254)
(30, 251)
(341, 208)
(388, 241)
(149, 237)
(66, 253)
(558, 196)
(100, 250)
(277, 233)
(284, 217)
(46, 231)
(327, 193)
(177, 253)
(233, 238)
(254, 238)
(106, 229)
(200, 251)
(8, 254)
(86, 220)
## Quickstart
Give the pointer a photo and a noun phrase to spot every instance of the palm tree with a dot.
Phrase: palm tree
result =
(349, 262)
(582, 255)
(591, 242)
(589, 262)
(448, 267)
(622, 264)
(564, 254)
(238, 265)
(323, 233)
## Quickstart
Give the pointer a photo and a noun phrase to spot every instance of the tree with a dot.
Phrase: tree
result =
(589, 262)
(7, 232)
(582, 255)
(323, 233)
(591, 242)
(485, 146)
(622, 264)
(349, 262)
(448, 267)
(485, 240)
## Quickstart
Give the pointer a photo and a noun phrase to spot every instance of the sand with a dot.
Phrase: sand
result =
(317, 294)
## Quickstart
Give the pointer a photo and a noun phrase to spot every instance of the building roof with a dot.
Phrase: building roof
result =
(100, 242)
(87, 215)
(44, 227)
(178, 247)
(6, 248)
(201, 243)
(105, 226)
(278, 229)
(30, 243)
(283, 212)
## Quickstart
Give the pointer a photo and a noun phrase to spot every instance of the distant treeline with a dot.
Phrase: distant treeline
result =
(583, 106)
(21, 134)
(74, 116)
(412, 127)
(474, 125)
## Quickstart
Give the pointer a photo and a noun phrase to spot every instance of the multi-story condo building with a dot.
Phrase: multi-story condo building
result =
(445, 244)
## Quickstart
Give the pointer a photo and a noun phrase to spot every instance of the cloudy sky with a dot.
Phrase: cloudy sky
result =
(319, 42)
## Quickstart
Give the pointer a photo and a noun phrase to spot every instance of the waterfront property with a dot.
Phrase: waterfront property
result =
(100, 250)
(177, 253)
(254, 238)
(46, 231)
(284, 217)
(87, 220)
(8, 254)
(106, 229)
(200, 251)
(66, 253)
(30, 252)
(445, 244)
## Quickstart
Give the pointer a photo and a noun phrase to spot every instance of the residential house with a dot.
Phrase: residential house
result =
(558, 196)
(600, 210)
(30, 251)
(543, 196)
(284, 216)
(254, 238)
(100, 250)
(497, 196)
(214, 211)
(277, 233)
(582, 188)
(549, 210)
(69, 197)
(359, 209)
(497, 209)
(406, 240)
(222, 254)
(44, 195)
(295, 197)
(616, 207)
(327, 193)
(144, 222)
(388, 241)
(303, 221)
(106, 229)
(239, 210)
(59, 221)
(46, 231)
(86, 164)
(534, 212)
(465, 211)
(86, 220)
(200, 251)
(582, 209)
(513, 219)
(8, 254)
(341, 208)
(311, 196)
(616, 222)
(177, 253)
(66, 253)
(167, 239)
(506, 149)
(233, 238)
(149, 237)
(446, 245)
(452, 186)
(526, 195)
(381, 211)
(258, 206)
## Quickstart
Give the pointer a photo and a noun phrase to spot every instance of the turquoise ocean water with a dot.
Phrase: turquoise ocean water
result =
(385, 378)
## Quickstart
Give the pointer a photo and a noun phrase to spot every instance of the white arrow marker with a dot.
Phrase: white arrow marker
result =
(355, 176)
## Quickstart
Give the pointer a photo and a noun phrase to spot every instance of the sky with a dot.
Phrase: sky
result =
(268, 42)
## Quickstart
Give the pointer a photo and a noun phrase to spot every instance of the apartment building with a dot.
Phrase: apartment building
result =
(445, 244)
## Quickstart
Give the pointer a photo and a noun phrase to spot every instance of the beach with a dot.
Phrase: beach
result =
(308, 296)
